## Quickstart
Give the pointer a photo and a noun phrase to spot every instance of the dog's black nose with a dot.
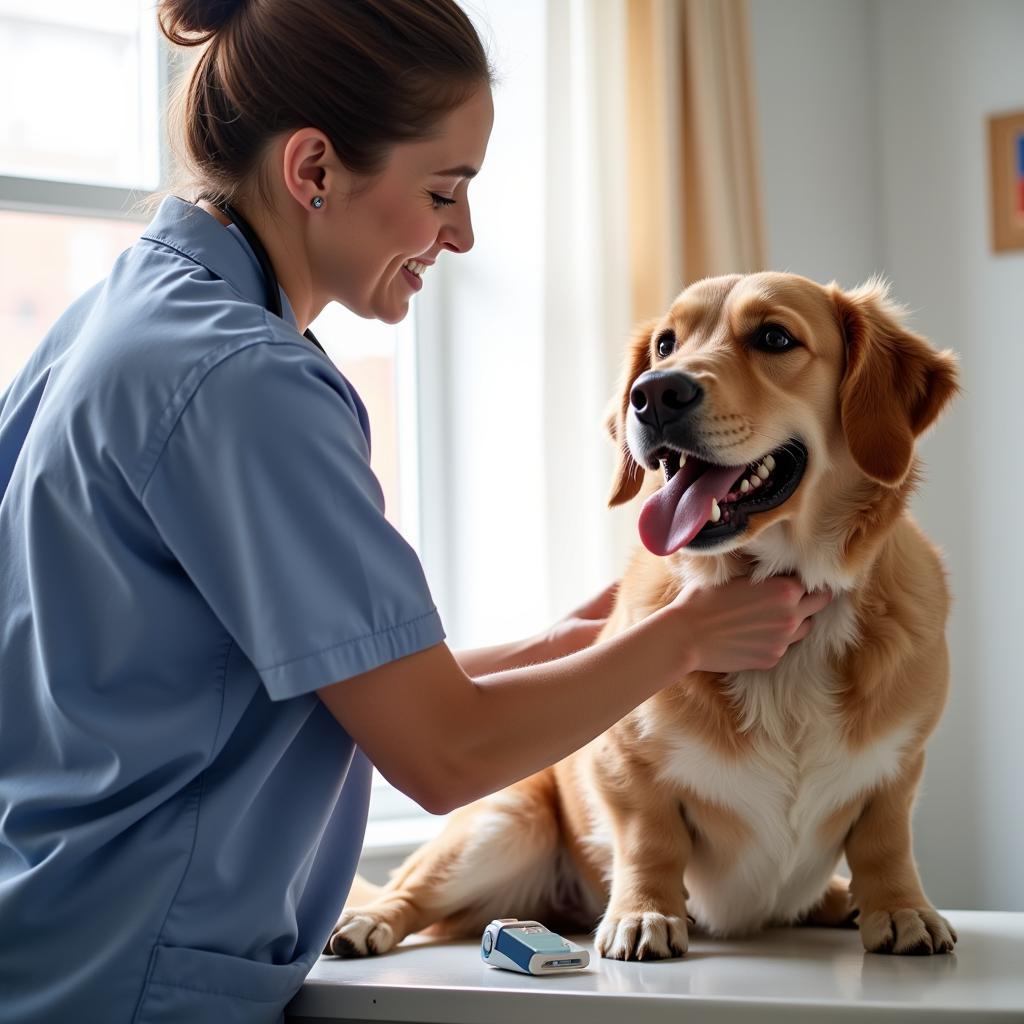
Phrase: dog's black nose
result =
(660, 397)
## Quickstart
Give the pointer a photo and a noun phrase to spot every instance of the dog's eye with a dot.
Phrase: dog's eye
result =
(666, 343)
(772, 338)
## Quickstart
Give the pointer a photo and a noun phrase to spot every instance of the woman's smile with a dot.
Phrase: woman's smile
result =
(413, 272)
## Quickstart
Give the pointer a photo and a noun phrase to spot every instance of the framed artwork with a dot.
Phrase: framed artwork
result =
(1006, 167)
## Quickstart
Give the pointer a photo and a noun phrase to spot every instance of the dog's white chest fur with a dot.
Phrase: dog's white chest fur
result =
(798, 772)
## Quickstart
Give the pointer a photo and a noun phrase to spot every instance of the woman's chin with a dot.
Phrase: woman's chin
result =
(393, 315)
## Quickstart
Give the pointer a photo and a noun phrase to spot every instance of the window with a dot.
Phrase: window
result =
(67, 171)
(376, 358)
(47, 261)
(82, 81)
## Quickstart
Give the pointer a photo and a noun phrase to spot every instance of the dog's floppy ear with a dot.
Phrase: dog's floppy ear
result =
(895, 383)
(628, 474)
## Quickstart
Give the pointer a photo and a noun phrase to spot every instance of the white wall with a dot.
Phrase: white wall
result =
(943, 68)
(873, 140)
(819, 163)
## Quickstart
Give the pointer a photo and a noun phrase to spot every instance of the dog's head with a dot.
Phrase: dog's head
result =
(763, 398)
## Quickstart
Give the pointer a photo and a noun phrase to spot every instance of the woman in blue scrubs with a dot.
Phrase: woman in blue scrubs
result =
(208, 629)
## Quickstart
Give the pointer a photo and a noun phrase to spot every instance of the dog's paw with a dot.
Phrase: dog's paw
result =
(360, 933)
(910, 931)
(649, 936)
(836, 909)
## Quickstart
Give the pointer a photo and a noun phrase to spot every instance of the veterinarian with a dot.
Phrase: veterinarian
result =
(208, 629)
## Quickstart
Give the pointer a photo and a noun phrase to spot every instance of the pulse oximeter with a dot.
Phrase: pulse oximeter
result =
(530, 948)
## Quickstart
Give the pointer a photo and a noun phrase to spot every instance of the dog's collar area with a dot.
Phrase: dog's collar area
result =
(760, 487)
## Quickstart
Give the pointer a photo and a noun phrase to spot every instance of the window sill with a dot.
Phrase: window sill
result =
(388, 838)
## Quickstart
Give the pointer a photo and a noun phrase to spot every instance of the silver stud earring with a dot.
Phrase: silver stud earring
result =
(317, 201)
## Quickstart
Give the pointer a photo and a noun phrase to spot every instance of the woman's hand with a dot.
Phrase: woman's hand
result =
(743, 625)
(579, 628)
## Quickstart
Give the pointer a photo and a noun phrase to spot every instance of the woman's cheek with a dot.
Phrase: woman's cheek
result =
(426, 234)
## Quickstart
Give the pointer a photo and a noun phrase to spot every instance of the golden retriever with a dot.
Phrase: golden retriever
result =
(771, 422)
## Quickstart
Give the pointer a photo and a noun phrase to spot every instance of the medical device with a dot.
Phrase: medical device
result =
(529, 947)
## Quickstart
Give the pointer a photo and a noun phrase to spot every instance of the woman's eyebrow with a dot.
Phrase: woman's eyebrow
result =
(463, 171)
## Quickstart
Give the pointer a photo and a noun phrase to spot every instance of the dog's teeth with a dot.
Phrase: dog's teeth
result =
(769, 462)
(716, 512)
(755, 481)
(762, 472)
(682, 461)
(744, 486)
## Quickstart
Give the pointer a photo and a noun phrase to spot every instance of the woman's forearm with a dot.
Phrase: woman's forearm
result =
(483, 661)
(571, 633)
(446, 738)
(512, 724)
(518, 721)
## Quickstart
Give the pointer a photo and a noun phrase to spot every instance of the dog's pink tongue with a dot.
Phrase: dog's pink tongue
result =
(675, 514)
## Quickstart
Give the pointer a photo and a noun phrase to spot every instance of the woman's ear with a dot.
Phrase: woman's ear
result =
(629, 474)
(895, 383)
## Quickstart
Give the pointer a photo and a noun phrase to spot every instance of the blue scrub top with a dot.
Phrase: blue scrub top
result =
(191, 542)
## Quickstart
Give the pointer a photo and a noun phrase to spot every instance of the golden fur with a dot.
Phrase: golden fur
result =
(749, 787)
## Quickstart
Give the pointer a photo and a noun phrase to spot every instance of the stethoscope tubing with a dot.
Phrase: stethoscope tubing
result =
(272, 299)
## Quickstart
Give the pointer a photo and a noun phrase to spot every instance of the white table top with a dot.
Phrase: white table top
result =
(784, 974)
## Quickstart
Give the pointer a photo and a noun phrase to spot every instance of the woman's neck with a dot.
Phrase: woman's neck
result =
(213, 212)
(222, 218)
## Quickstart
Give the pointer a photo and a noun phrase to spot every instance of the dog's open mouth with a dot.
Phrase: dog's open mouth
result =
(702, 504)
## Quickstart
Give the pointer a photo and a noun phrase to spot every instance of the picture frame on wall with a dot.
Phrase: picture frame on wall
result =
(1006, 169)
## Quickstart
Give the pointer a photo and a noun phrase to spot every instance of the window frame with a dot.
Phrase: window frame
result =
(82, 199)
(69, 198)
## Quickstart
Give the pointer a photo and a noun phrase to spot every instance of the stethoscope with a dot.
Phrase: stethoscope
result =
(272, 299)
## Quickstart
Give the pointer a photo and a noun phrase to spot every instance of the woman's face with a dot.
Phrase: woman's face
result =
(383, 236)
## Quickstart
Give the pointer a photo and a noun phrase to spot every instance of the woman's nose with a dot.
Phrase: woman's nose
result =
(457, 234)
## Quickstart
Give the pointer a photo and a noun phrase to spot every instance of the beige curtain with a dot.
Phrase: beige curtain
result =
(694, 171)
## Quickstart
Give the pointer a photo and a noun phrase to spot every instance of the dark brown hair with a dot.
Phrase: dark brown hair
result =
(367, 73)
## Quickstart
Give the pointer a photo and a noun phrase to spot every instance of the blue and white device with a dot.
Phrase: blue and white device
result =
(530, 948)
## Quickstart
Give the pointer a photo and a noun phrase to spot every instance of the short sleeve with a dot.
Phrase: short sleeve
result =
(264, 494)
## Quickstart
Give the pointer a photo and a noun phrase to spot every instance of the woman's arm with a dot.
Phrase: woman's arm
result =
(483, 661)
(446, 739)
(575, 631)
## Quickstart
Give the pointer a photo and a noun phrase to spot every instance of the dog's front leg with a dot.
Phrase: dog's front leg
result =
(646, 915)
(895, 914)
(486, 863)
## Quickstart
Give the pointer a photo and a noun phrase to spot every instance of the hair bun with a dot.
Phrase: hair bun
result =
(193, 22)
